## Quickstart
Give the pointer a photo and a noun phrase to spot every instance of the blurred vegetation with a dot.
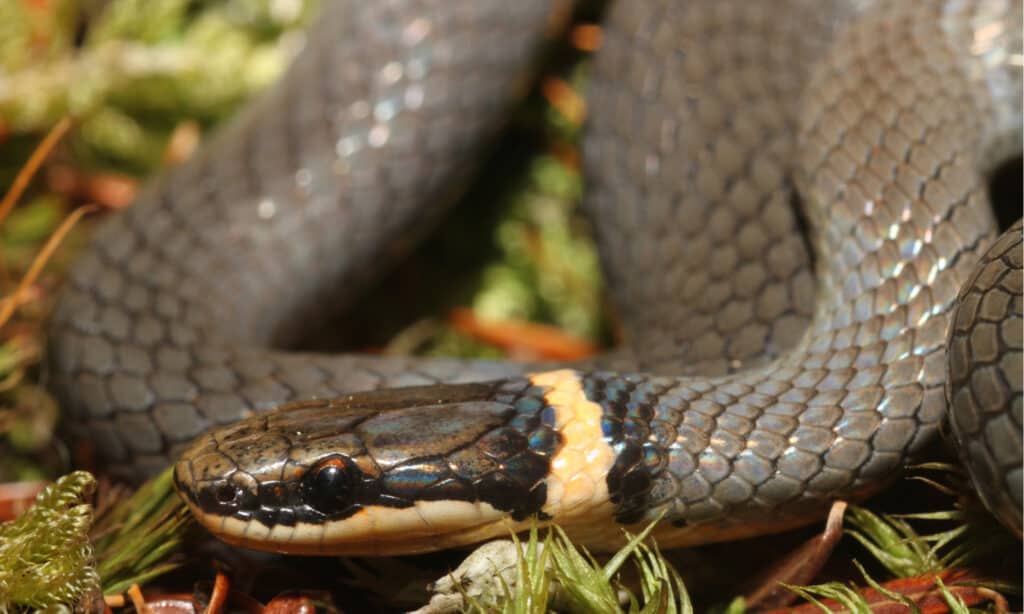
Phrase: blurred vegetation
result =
(129, 71)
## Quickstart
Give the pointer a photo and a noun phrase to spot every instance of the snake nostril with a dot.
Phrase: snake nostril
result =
(226, 493)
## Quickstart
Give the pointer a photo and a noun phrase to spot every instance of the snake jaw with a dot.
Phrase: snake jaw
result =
(373, 531)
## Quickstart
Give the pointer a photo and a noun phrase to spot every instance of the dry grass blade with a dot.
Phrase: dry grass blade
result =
(30, 168)
(11, 302)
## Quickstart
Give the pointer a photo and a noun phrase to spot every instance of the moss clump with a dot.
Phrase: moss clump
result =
(46, 559)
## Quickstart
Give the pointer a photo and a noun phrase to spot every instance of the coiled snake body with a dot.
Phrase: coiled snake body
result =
(754, 389)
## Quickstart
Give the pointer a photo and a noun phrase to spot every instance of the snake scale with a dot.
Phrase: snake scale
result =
(759, 381)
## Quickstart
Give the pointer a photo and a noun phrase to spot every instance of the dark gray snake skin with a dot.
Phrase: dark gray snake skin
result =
(707, 120)
(984, 379)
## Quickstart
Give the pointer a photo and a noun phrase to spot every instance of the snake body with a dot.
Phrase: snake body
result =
(984, 378)
(754, 389)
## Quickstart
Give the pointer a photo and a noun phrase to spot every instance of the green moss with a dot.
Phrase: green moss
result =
(46, 559)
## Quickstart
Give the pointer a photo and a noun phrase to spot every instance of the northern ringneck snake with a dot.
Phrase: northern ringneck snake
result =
(755, 387)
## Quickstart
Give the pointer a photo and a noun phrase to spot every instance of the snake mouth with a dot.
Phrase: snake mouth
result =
(372, 531)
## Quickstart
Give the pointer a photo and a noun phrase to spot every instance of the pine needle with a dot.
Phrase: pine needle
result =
(139, 534)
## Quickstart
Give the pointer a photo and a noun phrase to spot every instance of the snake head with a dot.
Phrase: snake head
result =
(400, 470)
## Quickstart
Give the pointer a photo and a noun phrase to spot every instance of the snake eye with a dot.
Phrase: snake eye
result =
(330, 486)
